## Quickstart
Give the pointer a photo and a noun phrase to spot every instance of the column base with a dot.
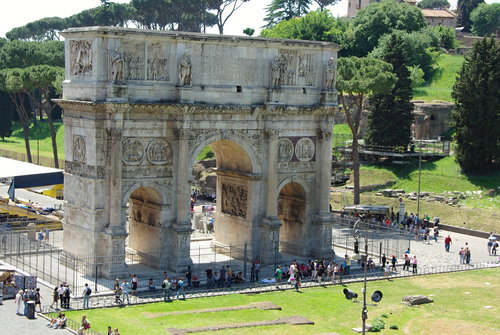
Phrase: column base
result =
(322, 226)
(270, 241)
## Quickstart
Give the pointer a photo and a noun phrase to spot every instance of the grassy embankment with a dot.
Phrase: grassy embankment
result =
(41, 132)
(458, 308)
(439, 87)
(478, 211)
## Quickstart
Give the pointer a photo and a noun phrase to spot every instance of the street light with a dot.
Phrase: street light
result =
(377, 295)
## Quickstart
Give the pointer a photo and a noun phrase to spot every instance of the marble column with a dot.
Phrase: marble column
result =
(270, 225)
(323, 219)
(115, 233)
(181, 229)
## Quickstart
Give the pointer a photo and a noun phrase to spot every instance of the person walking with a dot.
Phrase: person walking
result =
(467, 253)
(277, 275)
(55, 297)
(135, 284)
(393, 262)
(38, 299)
(180, 289)
(407, 262)
(252, 272)
(414, 264)
(86, 295)
(257, 270)
(447, 243)
(387, 270)
(124, 288)
(189, 276)
(19, 300)
(166, 285)
(494, 248)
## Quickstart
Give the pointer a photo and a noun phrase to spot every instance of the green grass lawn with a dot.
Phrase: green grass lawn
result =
(439, 176)
(439, 88)
(38, 133)
(453, 311)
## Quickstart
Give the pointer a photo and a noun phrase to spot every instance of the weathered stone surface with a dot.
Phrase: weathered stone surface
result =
(413, 300)
(140, 106)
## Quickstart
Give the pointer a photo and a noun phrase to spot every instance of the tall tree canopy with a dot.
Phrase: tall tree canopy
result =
(379, 19)
(485, 19)
(476, 115)
(433, 4)
(465, 8)
(20, 54)
(358, 78)
(279, 10)
(389, 123)
(421, 48)
(7, 110)
(314, 26)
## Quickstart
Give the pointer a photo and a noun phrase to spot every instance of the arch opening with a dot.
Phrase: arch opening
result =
(291, 212)
(221, 192)
(144, 240)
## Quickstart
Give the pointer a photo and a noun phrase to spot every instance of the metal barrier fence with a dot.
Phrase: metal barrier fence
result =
(381, 240)
(100, 301)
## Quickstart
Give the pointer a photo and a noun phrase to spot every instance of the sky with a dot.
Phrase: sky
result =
(19, 12)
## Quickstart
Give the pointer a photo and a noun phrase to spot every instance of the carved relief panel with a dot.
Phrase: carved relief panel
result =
(159, 152)
(134, 61)
(79, 150)
(285, 150)
(234, 200)
(306, 71)
(304, 149)
(81, 57)
(132, 151)
(157, 68)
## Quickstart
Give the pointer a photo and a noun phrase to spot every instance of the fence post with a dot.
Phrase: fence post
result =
(245, 261)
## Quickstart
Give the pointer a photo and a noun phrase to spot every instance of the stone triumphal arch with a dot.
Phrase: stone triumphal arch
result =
(139, 107)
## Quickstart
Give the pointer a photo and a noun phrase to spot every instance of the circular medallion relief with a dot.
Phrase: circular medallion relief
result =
(285, 150)
(132, 151)
(304, 149)
(78, 148)
(159, 151)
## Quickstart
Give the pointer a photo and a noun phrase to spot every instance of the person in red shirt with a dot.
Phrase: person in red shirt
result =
(447, 243)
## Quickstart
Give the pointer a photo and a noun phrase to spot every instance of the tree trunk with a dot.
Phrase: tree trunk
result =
(355, 168)
(26, 132)
(53, 137)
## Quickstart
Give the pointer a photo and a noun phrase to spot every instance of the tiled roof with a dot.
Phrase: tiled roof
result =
(443, 13)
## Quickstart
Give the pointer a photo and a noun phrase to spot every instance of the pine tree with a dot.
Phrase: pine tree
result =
(391, 113)
(476, 115)
(465, 8)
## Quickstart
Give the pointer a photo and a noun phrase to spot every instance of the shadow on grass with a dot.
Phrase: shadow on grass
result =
(486, 181)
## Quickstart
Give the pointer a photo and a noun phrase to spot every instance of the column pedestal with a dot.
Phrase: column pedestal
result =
(181, 237)
(269, 240)
(321, 235)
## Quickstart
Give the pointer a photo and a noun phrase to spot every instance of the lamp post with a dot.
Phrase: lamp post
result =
(364, 312)
(418, 192)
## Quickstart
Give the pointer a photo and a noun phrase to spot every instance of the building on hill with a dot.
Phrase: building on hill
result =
(354, 6)
(440, 17)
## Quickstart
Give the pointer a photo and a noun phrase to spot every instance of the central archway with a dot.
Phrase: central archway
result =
(234, 185)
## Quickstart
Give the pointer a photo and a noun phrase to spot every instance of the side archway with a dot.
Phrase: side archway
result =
(292, 214)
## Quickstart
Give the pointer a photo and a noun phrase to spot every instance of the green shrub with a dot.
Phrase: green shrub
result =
(395, 327)
(377, 325)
